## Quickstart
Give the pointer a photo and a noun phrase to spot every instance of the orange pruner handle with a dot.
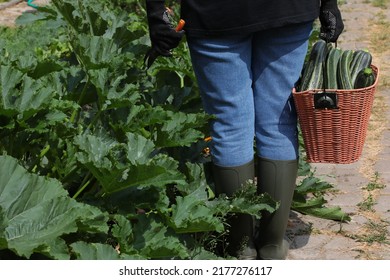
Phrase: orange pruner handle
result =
(180, 25)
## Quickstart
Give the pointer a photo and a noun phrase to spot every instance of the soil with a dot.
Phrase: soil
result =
(12, 9)
(366, 236)
(9, 11)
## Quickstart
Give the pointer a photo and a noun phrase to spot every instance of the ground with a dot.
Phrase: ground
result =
(12, 9)
(362, 189)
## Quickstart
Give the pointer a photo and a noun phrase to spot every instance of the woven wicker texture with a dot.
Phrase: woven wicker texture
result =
(335, 135)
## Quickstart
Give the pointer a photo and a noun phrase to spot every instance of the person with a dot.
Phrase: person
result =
(247, 56)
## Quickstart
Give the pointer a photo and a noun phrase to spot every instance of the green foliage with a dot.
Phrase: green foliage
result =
(102, 159)
(308, 199)
(37, 211)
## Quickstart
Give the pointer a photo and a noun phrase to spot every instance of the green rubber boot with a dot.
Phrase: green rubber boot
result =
(241, 232)
(278, 179)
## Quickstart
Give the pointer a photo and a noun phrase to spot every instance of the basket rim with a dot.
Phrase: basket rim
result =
(373, 67)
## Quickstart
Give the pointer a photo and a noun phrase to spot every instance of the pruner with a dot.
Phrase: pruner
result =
(152, 54)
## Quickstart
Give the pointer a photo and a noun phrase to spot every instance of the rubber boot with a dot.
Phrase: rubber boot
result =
(241, 231)
(278, 179)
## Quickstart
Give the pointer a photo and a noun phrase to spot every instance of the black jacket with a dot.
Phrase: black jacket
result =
(221, 17)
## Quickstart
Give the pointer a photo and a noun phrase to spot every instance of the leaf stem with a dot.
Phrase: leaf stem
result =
(94, 120)
(76, 112)
(41, 155)
(87, 180)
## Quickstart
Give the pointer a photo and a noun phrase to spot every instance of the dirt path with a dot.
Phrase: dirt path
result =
(362, 188)
(9, 11)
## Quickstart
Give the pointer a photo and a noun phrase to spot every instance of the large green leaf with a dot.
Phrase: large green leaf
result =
(37, 211)
(316, 207)
(181, 129)
(128, 200)
(155, 240)
(197, 180)
(312, 185)
(113, 90)
(169, 128)
(21, 94)
(191, 214)
(309, 200)
(139, 149)
(95, 51)
(118, 166)
(247, 201)
(97, 251)
(86, 17)
(122, 230)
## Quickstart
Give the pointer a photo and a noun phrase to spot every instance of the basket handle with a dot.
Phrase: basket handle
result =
(325, 99)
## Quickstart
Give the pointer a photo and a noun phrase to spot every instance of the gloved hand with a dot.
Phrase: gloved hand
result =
(163, 35)
(331, 22)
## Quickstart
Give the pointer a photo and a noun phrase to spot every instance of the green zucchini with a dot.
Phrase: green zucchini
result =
(355, 57)
(331, 68)
(344, 70)
(329, 46)
(361, 60)
(312, 76)
(365, 78)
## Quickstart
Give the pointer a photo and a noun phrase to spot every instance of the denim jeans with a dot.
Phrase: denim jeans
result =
(246, 82)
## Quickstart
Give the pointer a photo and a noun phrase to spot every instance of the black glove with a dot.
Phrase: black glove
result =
(331, 22)
(163, 35)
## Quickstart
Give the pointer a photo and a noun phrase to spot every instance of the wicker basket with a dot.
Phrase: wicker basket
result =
(335, 135)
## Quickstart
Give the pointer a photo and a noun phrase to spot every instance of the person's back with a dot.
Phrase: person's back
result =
(226, 17)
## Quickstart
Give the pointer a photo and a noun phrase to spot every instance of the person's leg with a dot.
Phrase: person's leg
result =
(222, 68)
(228, 180)
(277, 178)
(278, 57)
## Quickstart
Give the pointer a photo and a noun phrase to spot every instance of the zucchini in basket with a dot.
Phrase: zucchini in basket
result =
(344, 70)
(312, 75)
(331, 63)
(361, 60)
(365, 78)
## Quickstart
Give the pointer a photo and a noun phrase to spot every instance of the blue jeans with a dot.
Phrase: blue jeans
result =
(245, 82)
